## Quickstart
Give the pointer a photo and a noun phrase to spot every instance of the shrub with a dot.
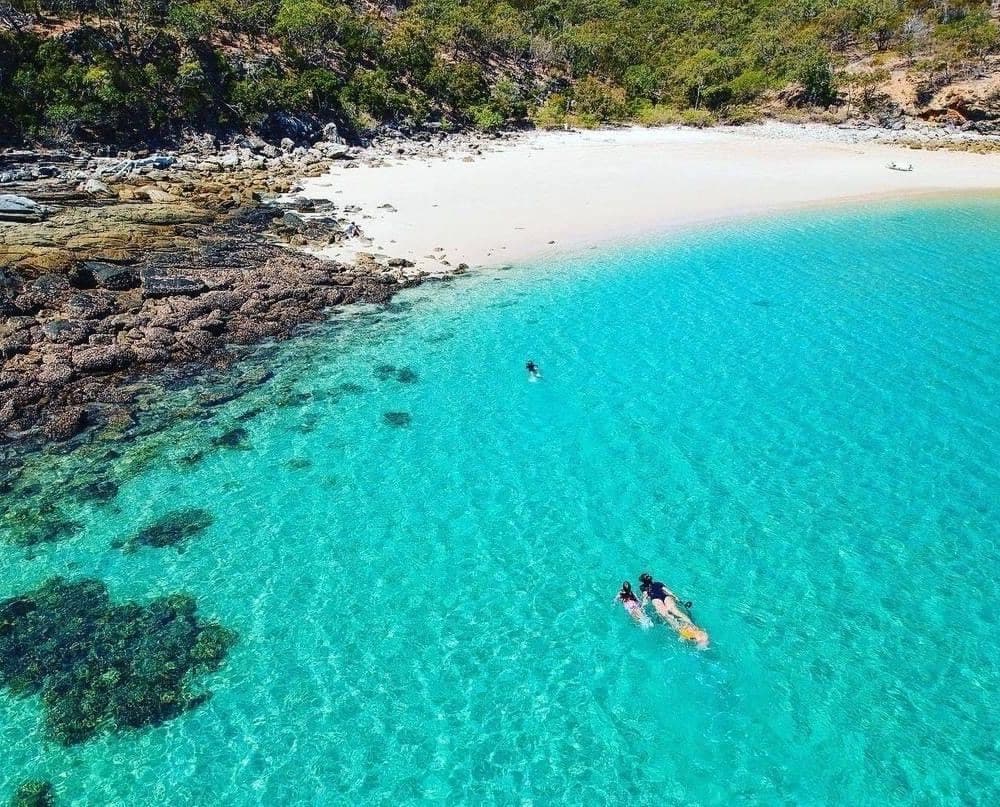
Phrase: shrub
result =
(748, 85)
(699, 118)
(740, 115)
(305, 24)
(599, 100)
(552, 113)
(372, 92)
(816, 76)
(505, 98)
(194, 20)
(461, 85)
(487, 118)
(657, 115)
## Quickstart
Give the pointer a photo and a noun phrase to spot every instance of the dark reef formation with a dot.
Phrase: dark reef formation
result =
(34, 793)
(27, 524)
(397, 419)
(173, 529)
(234, 438)
(404, 375)
(103, 667)
(384, 372)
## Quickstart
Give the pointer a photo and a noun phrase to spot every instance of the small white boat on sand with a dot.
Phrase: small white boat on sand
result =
(894, 166)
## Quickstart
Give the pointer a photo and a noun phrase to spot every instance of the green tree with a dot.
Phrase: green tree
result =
(815, 73)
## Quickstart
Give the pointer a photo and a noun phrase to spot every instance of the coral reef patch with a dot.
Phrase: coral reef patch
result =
(398, 419)
(173, 529)
(385, 372)
(100, 667)
(234, 438)
(32, 524)
(34, 793)
(404, 375)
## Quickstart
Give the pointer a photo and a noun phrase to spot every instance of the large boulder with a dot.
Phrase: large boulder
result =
(90, 305)
(64, 423)
(156, 284)
(21, 208)
(112, 276)
(331, 150)
(10, 281)
(331, 134)
(299, 128)
(95, 187)
(104, 359)
(66, 332)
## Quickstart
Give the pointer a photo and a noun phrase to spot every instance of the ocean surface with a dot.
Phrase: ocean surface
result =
(793, 422)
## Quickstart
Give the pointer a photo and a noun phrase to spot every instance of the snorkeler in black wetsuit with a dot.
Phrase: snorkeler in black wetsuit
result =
(532, 369)
(655, 591)
(668, 606)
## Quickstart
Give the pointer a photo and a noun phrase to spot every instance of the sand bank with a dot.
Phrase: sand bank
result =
(548, 193)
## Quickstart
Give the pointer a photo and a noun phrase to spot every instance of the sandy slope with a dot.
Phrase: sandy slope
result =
(548, 193)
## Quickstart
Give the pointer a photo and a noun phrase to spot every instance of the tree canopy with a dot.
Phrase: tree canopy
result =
(146, 68)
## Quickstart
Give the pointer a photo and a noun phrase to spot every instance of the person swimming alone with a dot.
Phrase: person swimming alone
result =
(533, 369)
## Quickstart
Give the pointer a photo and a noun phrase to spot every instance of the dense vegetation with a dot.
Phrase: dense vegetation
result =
(139, 68)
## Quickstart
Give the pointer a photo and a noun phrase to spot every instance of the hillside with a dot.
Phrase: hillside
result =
(119, 71)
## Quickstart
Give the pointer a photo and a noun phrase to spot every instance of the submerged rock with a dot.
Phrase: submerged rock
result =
(385, 371)
(389, 372)
(234, 438)
(98, 490)
(398, 419)
(34, 793)
(33, 525)
(173, 529)
(100, 667)
(193, 458)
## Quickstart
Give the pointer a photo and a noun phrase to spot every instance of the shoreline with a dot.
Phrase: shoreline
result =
(545, 195)
(147, 271)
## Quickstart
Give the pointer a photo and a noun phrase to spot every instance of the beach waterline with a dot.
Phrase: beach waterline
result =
(791, 422)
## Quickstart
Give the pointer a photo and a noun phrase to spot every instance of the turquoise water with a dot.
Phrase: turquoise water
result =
(792, 422)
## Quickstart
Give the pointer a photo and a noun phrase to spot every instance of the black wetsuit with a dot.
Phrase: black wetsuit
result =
(655, 590)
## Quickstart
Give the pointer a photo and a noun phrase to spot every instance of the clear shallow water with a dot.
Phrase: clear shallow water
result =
(794, 423)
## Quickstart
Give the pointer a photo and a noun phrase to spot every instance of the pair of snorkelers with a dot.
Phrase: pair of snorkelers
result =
(666, 604)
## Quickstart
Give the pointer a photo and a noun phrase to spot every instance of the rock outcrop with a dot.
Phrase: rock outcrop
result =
(156, 266)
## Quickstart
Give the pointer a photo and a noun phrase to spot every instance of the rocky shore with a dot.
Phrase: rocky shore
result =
(116, 268)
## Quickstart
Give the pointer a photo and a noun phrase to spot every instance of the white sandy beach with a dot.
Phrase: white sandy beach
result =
(548, 193)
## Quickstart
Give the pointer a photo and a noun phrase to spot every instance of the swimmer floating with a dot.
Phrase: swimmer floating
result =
(667, 606)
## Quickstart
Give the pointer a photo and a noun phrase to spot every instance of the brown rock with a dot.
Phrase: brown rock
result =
(103, 359)
(64, 423)
(55, 374)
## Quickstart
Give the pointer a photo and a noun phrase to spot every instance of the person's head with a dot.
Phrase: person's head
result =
(645, 577)
(627, 587)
